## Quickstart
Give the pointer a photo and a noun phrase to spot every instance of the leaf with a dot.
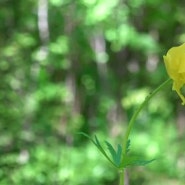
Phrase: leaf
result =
(119, 154)
(84, 134)
(134, 161)
(119, 160)
(116, 155)
(128, 146)
(111, 150)
(98, 145)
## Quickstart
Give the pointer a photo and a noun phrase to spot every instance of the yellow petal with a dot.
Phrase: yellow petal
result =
(175, 65)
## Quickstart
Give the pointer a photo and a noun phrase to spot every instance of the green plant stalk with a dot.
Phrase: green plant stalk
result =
(132, 121)
(122, 177)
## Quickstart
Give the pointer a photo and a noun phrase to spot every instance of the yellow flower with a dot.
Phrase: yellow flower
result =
(175, 66)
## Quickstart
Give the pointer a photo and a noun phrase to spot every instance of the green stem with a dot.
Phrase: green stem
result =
(132, 121)
(122, 177)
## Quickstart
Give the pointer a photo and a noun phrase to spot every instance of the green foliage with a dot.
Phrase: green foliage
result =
(118, 158)
(116, 155)
(134, 161)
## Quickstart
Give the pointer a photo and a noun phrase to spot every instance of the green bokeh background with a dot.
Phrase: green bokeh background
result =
(69, 66)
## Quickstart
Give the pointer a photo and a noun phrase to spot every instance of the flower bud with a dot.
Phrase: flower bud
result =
(175, 65)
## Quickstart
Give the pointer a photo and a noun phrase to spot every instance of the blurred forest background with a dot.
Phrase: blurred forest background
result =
(69, 66)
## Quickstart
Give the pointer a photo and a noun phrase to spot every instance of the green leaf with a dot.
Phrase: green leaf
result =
(116, 155)
(98, 145)
(119, 154)
(111, 150)
(118, 160)
(134, 161)
(128, 146)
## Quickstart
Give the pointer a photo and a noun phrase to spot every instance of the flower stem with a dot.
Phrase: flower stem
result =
(132, 121)
(122, 177)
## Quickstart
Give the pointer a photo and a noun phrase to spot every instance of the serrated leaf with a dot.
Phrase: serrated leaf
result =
(98, 145)
(128, 146)
(119, 154)
(116, 155)
(134, 161)
(111, 150)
